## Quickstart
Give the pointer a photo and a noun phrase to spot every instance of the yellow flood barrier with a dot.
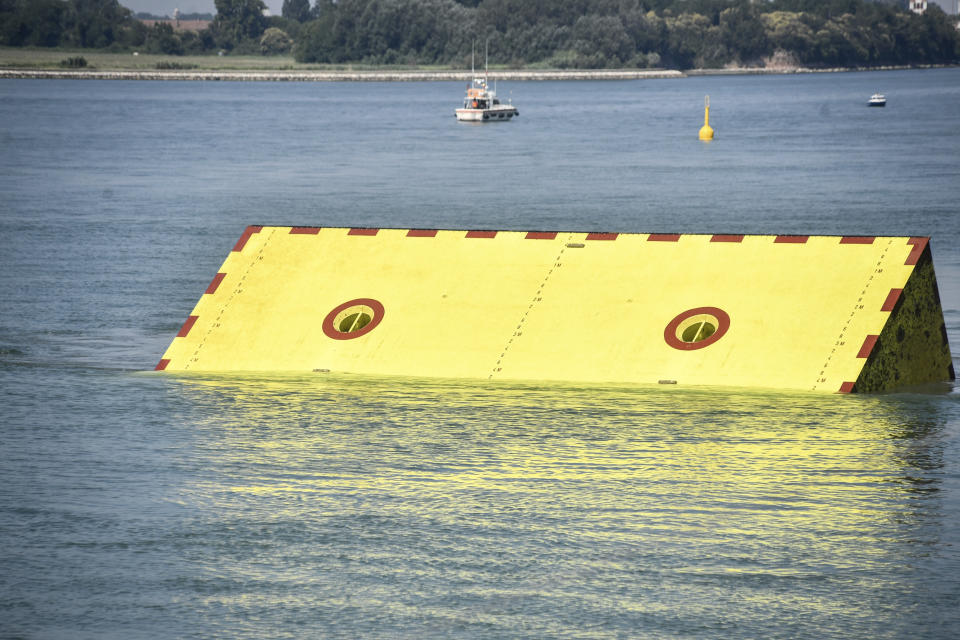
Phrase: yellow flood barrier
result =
(821, 313)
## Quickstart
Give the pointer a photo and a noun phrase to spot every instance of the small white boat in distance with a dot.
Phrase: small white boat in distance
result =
(482, 105)
(877, 100)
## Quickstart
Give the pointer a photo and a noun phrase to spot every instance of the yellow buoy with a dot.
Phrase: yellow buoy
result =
(706, 132)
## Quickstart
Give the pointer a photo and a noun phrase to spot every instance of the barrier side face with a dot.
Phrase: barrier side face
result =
(912, 348)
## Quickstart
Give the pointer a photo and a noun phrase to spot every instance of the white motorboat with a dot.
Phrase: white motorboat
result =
(877, 100)
(481, 104)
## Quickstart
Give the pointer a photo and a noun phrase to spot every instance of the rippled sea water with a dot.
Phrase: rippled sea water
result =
(143, 505)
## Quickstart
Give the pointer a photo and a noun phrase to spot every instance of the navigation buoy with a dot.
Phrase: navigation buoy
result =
(706, 132)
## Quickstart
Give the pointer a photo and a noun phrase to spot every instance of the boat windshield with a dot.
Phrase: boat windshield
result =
(475, 103)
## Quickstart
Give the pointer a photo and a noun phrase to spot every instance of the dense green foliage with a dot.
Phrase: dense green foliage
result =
(238, 23)
(298, 10)
(629, 33)
(74, 62)
(544, 33)
(68, 23)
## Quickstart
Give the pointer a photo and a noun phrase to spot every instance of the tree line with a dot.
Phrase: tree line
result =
(678, 34)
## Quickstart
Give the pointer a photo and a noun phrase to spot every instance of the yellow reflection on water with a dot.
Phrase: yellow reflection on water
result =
(554, 488)
(734, 451)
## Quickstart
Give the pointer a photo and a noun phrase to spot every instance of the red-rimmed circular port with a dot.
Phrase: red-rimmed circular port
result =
(353, 318)
(696, 328)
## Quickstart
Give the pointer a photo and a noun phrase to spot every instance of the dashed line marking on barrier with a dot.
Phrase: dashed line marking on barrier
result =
(857, 307)
(234, 292)
(537, 297)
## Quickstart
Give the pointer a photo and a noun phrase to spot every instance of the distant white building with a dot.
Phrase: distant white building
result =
(918, 6)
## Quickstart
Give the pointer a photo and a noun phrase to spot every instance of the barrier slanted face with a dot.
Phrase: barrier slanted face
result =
(819, 313)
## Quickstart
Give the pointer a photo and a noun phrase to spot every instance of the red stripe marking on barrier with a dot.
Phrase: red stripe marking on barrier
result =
(891, 300)
(217, 279)
(602, 236)
(185, 329)
(723, 238)
(541, 235)
(481, 234)
(162, 364)
(663, 237)
(919, 244)
(362, 232)
(791, 239)
(249, 231)
(846, 387)
(856, 240)
(867, 347)
(305, 230)
(422, 233)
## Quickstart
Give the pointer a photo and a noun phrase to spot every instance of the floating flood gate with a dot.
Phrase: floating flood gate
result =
(821, 313)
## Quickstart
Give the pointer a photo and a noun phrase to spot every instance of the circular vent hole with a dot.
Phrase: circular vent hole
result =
(354, 322)
(696, 328)
(353, 319)
(698, 331)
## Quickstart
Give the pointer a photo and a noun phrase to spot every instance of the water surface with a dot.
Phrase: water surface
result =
(138, 505)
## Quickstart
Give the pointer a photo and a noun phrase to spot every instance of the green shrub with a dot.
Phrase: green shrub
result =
(165, 64)
(74, 62)
(275, 42)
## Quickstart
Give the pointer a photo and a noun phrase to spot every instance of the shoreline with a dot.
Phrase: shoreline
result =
(410, 76)
(333, 76)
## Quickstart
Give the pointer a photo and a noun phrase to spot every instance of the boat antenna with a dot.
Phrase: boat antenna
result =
(473, 52)
(486, 60)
